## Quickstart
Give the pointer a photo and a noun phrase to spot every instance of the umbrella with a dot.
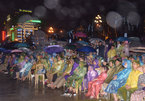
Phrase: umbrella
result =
(122, 39)
(86, 49)
(78, 45)
(2, 49)
(81, 34)
(7, 51)
(53, 49)
(93, 40)
(26, 50)
(61, 43)
(70, 46)
(16, 51)
(18, 45)
(83, 43)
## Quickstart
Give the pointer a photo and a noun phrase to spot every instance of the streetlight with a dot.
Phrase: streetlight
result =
(50, 30)
(98, 21)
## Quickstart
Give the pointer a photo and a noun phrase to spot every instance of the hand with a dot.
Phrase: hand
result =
(115, 77)
(142, 84)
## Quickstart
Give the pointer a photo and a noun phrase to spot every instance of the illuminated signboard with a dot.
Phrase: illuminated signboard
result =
(34, 21)
(13, 36)
(23, 10)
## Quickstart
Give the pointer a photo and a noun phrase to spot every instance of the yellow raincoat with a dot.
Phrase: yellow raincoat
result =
(132, 81)
(111, 53)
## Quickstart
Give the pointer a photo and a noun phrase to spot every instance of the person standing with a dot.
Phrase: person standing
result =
(101, 49)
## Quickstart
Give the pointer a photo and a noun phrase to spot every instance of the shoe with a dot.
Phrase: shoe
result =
(64, 94)
(69, 94)
(74, 94)
(5, 72)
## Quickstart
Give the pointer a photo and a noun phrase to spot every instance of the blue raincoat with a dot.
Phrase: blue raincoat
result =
(122, 77)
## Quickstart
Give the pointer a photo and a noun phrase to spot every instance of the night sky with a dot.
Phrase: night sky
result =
(70, 13)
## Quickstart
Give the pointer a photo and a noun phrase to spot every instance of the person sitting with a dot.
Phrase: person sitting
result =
(139, 94)
(74, 82)
(95, 85)
(119, 79)
(131, 84)
(111, 53)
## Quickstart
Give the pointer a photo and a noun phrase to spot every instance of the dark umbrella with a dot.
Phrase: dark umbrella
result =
(2, 49)
(86, 49)
(122, 39)
(70, 46)
(54, 49)
(26, 50)
(81, 34)
(7, 51)
(10, 45)
(18, 45)
(78, 45)
(84, 43)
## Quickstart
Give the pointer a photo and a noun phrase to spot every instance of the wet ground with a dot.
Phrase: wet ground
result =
(13, 90)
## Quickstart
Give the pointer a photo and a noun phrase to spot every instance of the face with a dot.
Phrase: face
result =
(104, 63)
(100, 43)
(135, 65)
(118, 42)
(112, 47)
(13, 55)
(117, 63)
(26, 60)
(110, 64)
(81, 59)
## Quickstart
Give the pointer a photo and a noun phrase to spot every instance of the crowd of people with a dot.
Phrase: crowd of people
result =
(109, 70)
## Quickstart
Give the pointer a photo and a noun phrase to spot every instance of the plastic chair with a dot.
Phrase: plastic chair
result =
(37, 75)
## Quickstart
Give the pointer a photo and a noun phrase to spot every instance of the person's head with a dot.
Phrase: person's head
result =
(7, 56)
(100, 43)
(104, 69)
(110, 41)
(104, 63)
(112, 47)
(118, 42)
(81, 58)
(97, 43)
(135, 65)
(117, 62)
(31, 57)
(21, 57)
(13, 55)
(111, 63)
(26, 59)
(58, 58)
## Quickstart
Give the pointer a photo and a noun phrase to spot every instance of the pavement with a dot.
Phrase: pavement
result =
(13, 90)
